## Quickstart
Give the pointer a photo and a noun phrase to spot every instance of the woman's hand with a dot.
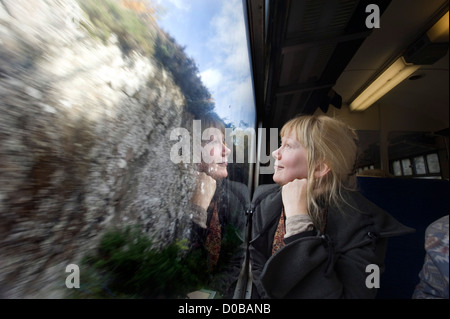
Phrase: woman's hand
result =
(294, 197)
(204, 190)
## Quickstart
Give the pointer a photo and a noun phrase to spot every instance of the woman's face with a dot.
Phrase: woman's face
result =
(215, 153)
(290, 160)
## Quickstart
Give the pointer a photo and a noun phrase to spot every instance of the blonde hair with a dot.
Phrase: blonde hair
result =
(327, 141)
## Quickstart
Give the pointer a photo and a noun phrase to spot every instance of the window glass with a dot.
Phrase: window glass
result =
(397, 169)
(213, 35)
(419, 165)
(433, 163)
(406, 166)
(138, 118)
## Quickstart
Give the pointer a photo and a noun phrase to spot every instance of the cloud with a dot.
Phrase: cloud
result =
(228, 77)
(229, 38)
(180, 4)
(212, 77)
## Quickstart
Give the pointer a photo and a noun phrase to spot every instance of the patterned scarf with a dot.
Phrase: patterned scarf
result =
(278, 242)
(214, 239)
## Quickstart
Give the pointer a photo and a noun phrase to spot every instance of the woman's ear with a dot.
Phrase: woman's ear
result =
(321, 170)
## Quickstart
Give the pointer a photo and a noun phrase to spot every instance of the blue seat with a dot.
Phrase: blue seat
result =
(415, 203)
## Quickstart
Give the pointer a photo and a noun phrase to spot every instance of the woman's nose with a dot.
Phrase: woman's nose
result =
(225, 150)
(276, 154)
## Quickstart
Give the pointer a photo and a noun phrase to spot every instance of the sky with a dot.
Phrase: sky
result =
(213, 33)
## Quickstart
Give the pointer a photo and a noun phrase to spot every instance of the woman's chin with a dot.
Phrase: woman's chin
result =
(277, 179)
(219, 175)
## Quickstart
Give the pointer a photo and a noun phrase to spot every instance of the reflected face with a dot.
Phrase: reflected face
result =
(290, 160)
(214, 157)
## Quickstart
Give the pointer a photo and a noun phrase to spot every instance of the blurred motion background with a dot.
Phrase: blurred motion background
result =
(89, 93)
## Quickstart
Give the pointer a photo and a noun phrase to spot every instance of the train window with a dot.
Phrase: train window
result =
(419, 165)
(136, 116)
(406, 166)
(423, 166)
(213, 34)
(433, 163)
(397, 168)
(365, 168)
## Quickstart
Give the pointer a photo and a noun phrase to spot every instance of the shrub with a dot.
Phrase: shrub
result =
(134, 30)
(125, 265)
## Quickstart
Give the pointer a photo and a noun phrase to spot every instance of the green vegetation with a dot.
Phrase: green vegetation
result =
(134, 30)
(126, 265)
(185, 73)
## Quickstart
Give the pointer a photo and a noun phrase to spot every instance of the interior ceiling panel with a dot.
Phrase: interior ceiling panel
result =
(307, 46)
(310, 54)
(318, 54)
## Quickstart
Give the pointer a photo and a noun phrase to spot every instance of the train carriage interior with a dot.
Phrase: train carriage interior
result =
(317, 57)
(102, 109)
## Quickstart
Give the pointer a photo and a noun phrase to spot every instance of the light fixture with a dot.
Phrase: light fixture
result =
(426, 50)
(391, 77)
(439, 31)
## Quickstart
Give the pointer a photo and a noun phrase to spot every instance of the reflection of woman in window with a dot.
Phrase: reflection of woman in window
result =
(313, 234)
(218, 211)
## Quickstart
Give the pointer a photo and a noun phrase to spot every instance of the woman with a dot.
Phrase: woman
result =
(313, 233)
(218, 208)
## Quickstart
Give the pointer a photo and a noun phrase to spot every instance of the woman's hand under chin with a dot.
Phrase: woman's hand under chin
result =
(294, 197)
(204, 190)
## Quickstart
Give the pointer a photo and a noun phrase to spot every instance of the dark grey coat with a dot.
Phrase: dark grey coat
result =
(232, 199)
(313, 265)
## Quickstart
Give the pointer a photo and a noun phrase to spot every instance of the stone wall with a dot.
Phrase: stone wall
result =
(84, 145)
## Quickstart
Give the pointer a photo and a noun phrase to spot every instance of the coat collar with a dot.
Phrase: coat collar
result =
(355, 222)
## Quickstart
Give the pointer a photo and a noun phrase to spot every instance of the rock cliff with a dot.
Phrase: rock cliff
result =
(84, 145)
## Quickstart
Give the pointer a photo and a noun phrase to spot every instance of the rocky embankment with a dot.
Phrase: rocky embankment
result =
(84, 145)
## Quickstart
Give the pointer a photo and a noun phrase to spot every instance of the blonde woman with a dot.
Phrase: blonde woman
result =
(313, 234)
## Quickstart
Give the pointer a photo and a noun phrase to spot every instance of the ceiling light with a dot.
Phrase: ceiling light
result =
(426, 50)
(439, 31)
(392, 76)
